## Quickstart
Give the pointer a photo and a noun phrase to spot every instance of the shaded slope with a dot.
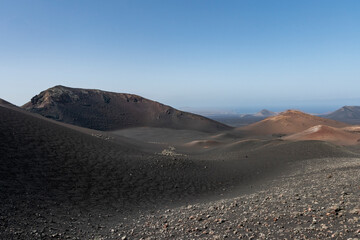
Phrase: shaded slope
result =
(288, 122)
(52, 175)
(40, 159)
(102, 110)
(6, 103)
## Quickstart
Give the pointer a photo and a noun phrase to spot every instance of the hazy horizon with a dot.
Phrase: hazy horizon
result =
(233, 55)
(311, 109)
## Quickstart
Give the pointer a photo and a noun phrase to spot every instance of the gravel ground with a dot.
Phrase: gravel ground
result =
(318, 199)
(60, 183)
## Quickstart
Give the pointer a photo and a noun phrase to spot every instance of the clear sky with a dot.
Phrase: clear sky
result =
(243, 55)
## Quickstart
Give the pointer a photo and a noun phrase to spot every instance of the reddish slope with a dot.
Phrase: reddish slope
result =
(326, 133)
(288, 122)
(111, 111)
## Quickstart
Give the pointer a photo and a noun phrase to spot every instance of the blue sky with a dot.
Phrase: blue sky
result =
(243, 55)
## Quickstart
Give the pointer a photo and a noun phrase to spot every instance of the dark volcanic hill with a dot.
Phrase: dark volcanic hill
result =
(102, 110)
(348, 114)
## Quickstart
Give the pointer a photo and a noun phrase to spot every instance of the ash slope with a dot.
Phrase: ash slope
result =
(58, 182)
(104, 111)
(6, 103)
(41, 159)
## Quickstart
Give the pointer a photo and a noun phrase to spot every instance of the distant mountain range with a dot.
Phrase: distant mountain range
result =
(238, 120)
(346, 114)
(262, 114)
(106, 111)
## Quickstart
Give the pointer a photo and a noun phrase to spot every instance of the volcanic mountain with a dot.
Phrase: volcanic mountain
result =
(105, 111)
(348, 114)
(288, 122)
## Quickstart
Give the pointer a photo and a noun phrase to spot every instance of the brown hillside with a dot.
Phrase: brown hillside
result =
(289, 122)
(102, 110)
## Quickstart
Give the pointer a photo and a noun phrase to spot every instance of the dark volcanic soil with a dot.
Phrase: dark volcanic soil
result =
(63, 182)
(42, 158)
(318, 199)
